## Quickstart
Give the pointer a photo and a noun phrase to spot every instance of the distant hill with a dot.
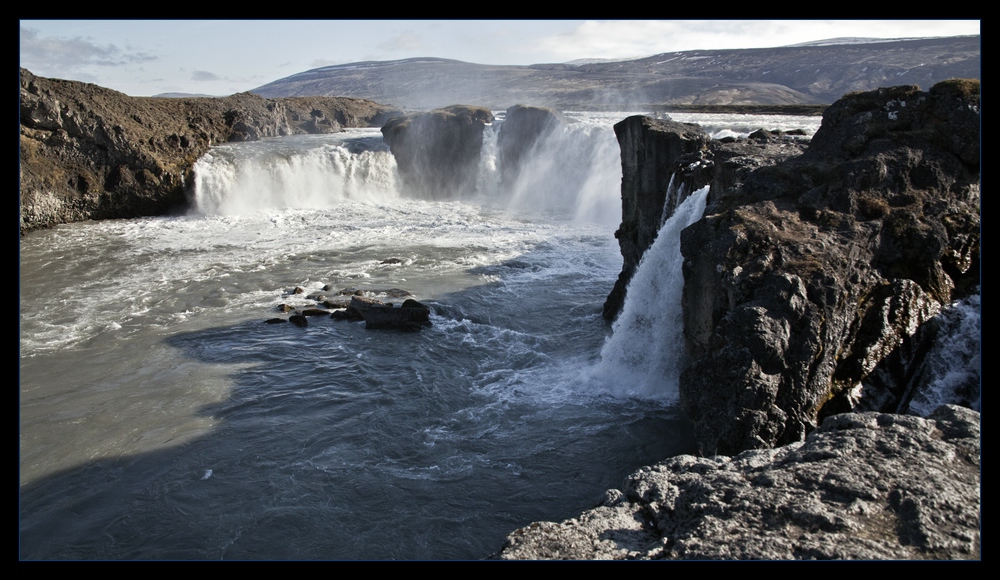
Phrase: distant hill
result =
(820, 72)
(182, 96)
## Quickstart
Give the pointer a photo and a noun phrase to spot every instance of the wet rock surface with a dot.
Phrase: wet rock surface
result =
(524, 127)
(437, 152)
(862, 486)
(807, 276)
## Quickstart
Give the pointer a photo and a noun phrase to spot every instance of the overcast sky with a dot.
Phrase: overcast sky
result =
(221, 57)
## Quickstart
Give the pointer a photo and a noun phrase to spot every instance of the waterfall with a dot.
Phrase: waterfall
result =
(574, 172)
(645, 354)
(301, 172)
(952, 368)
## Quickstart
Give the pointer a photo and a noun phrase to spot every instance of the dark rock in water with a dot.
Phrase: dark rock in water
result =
(274, 320)
(298, 320)
(87, 152)
(807, 275)
(298, 290)
(522, 130)
(656, 152)
(315, 312)
(862, 486)
(359, 305)
(391, 261)
(285, 308)
(412, 315)
(337, 303)
(437, 152)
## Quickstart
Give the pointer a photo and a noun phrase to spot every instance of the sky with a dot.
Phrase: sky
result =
(222, 57)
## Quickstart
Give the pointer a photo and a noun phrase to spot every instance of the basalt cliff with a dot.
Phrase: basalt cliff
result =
(812, 288)
(87, 152)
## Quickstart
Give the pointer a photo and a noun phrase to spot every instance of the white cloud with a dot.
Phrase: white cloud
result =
(204, 75)
(63, 55)
(639, 38)
(403, 42)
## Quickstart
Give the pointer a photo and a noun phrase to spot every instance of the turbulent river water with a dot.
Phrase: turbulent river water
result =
(160, 418)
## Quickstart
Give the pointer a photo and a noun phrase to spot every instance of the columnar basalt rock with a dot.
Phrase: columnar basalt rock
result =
(87, 152)
(523, 129)
(437, 152)
(808, 275)
(652, 151)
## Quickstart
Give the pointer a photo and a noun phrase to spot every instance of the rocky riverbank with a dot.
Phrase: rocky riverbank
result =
(862, 486)
(87, 152)
(811, 289)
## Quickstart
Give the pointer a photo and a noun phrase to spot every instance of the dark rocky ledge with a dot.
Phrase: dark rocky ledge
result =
(862, 486)
(87, 152)
(809, 281)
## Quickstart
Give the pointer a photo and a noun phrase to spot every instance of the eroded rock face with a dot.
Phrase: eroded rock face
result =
(807, 276)
(652, 151)
(862, 486)
(87, 152)
(522, 130)
(437, 152)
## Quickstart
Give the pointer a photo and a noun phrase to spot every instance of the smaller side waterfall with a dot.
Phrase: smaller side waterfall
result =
(645, 354)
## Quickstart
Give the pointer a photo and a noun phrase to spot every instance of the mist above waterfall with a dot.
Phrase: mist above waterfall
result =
(572, 169)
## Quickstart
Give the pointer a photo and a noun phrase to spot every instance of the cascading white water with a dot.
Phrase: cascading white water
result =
(954, 363)
(572, 173)
(575, 171)
(301, 172)
(645, 353)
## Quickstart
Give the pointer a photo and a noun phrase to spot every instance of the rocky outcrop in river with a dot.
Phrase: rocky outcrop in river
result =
(523, 129)
(862, 486)
(437, 152)
(87, 152)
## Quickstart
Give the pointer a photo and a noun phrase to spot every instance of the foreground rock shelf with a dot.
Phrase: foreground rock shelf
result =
(862, 486)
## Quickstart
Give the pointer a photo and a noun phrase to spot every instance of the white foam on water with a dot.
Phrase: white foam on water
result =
(954, 363)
